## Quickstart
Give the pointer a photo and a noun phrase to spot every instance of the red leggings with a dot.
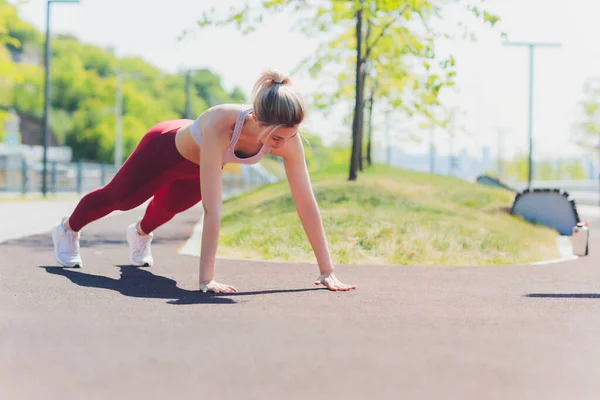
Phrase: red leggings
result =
(155, 168)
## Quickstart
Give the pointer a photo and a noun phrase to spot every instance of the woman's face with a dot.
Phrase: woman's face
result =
(279, 136)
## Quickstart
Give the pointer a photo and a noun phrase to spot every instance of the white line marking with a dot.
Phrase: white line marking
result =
(192, 245)
(565, 249)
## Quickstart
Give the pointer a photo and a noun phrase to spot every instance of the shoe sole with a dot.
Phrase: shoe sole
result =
(140, 265)
(55, 241)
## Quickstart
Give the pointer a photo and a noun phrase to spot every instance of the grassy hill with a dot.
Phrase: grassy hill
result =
(389, 216)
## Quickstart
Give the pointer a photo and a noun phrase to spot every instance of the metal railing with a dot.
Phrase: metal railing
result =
(19, 176)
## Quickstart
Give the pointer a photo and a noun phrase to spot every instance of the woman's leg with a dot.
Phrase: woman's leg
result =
(154, 162)
(171, 199)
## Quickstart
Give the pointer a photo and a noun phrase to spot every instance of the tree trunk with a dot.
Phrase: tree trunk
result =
(361, 114)
(370, 138)
(358, 106)
(363, 82)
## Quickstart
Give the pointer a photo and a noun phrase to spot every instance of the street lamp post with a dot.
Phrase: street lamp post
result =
(598, 148)
(119, 121)
(532, 47)
(120, 77)
(189, 77)
(188, 94)
(46, 120)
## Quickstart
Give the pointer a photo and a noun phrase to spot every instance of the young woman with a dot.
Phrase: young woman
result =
(179, 163)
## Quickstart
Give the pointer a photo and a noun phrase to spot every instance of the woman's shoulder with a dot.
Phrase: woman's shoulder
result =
(222, 115)
(227, 110)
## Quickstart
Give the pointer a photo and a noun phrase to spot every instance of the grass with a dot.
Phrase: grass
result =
(388, 216)
(273, 167)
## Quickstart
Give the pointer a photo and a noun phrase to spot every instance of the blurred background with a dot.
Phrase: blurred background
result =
(505, 88)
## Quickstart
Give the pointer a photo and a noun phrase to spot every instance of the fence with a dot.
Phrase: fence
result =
(18, 175)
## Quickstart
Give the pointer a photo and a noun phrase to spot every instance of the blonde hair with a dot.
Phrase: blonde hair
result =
(275, 102)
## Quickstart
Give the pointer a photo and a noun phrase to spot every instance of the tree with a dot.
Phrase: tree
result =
(9, 73)
(370, 137)
(84, 87)
(391, 42)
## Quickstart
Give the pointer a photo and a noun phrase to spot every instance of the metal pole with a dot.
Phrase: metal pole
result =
(452, 134)
(599, 172)
(451, 155)
(388, 150)
(118, 121)
(499, 155)
(530, 128)
(530, 123)
(46, 133)
(46, 118)
(188, 94)
(432, 150)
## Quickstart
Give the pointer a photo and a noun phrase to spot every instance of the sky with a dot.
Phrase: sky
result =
(492, 83)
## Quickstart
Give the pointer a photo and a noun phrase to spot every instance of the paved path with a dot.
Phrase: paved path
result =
(23, 218)
(110, 331)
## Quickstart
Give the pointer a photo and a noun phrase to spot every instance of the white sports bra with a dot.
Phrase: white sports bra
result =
(229, 155)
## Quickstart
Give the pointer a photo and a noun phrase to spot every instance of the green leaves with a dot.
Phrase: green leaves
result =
(84, 87)
(491, 19)
(588, 128)
(395, 34)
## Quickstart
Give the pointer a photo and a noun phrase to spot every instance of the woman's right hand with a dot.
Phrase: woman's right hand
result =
(216, 287)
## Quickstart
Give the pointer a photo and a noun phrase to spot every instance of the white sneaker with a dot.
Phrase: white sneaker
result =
(139, 247)
(66, 246)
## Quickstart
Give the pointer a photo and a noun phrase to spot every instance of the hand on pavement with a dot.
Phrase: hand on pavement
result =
(331, 282)
(216, 287)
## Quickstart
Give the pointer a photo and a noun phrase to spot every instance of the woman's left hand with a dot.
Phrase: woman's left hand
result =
(331, 282)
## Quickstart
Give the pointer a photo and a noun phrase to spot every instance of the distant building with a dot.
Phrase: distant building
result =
(462, 165)
(23, 141)
(11, 128)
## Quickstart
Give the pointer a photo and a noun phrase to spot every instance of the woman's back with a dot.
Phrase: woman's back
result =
(221, 118)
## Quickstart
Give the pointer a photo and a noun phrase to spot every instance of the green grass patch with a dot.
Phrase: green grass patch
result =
(388, 216)
(273, 166)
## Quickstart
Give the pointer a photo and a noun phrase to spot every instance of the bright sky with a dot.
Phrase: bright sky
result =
(493, 79)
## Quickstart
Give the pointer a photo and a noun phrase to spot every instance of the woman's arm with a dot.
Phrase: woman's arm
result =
(308, 212)
(214, 144)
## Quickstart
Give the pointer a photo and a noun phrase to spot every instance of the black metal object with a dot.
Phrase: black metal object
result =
(560, 192)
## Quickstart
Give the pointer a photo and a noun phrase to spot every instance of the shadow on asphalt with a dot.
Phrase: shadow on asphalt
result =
(137, 282)
(565, 295)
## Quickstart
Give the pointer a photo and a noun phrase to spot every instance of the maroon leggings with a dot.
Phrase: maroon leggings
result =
(155, 168)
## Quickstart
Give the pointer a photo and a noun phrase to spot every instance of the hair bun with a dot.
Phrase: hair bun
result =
(276, 106)
(280, 80)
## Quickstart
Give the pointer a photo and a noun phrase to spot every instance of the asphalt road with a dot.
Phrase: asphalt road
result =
(111, 331)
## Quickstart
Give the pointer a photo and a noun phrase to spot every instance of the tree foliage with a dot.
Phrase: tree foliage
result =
(516, 169)
(385, 49)
(84, 87)
(9, 73)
